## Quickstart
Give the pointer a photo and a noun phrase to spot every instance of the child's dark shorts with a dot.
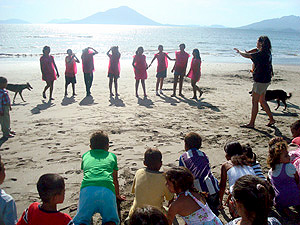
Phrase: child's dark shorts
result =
(70, 80)
(162, 74)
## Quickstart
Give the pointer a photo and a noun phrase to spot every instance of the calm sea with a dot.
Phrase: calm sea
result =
(25, 42)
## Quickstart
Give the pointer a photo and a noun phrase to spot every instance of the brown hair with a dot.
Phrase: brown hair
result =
(295, 125)
(49, 185)
(234, 150)
(99, 140)
(256, 195)
(181, 178)
(276, 146)
(152, 158)
(193, 140)
(148, 215)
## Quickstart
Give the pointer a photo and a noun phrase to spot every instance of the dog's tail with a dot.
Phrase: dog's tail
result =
(290, 95)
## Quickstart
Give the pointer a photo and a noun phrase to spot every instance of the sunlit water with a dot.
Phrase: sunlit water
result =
(25, 42)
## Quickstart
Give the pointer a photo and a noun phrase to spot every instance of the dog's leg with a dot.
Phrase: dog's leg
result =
(278, 104)
(21, 96)
(284, 102)
(15, 97)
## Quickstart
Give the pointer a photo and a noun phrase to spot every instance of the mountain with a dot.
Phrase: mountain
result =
(122, 15)
(60, 21)
(13, 21)
(286, 23)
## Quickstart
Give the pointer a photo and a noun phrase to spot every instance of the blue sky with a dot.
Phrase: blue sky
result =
(231, 13)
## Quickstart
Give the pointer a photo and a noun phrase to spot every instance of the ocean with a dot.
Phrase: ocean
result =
(25, 42)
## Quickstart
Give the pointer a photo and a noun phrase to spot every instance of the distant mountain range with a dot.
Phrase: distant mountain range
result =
(286, 23)
(127, 16)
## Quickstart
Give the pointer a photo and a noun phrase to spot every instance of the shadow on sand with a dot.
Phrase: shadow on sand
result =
(148, 103)
(67, 100)
(87, 100)
(200, 104)
(40, 107)
(116, 102)
(2, 140)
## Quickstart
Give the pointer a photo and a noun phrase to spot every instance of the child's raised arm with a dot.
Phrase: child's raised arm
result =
(76, 59)
(116, 183)
(95, 51)
(107, 53)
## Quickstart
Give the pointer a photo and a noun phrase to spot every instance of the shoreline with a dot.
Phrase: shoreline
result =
(51, 137)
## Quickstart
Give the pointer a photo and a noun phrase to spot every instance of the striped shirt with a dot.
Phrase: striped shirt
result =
(257, 170)
(4, 99)
(197, 162)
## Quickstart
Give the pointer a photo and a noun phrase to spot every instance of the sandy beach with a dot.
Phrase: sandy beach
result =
(52, 136)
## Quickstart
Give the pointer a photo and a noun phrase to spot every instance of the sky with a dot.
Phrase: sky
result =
(230, 13)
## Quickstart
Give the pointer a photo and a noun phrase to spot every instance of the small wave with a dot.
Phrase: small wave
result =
(84, 36)
(18, 55)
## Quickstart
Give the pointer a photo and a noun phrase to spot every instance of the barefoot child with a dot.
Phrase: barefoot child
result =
(140, 70)
(162, 65)
(197, 162)
(5, 107)
(149, 184)
(254, 198)
(195, 73)
(190, 204)
(51, 188)
(8, 209)
(71, 70)
(49, 71)
(100, 187)
(179, 69)
(87, 58)
(283, 175)
(114, 68)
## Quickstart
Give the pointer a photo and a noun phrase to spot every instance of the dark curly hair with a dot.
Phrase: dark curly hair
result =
(276, 146)
(256, 195)
(148, 215)
(234, 150)
(181, 178)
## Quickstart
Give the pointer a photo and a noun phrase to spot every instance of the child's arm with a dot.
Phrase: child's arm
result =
(244, 54)
(172, 213)
(95, 51)
(222, 182)
(55, 67)
(252, 50)
(152, 60)
(116, 183)
(76, 59)
(107, 53)
(170, 58)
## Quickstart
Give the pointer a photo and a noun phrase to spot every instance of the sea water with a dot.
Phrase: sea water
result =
(25, 42)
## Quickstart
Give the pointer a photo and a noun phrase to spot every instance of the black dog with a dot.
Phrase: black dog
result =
(18, 88)
(279, 95)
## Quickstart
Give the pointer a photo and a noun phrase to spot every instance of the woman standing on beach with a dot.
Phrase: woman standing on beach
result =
(195, 72)
(140, 70)
(49, 71)
(263, 71)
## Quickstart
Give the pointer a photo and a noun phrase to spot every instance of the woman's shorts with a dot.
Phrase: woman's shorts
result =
(260, 88)
(162, 74)
(70, 80)
(110, 75)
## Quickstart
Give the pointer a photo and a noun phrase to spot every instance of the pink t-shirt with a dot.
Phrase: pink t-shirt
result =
(114, 64)
(88, 62)
(71, 67)
(141, 65)
(181, 61)
(162, 61)
(195, 71)
(47, 67)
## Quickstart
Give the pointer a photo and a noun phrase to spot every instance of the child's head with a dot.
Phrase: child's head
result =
(278, 152)
(182, 47)
(3, 82)
(234, 152)
(264, 43)
(196, 53)
(295, 129)
(115, 50)
(139, 51)
(148, 215)
(247, 150)
(2, 171)
(46, 50)
(254, 198)
(153, 159)
(69, 52)
(160, 48)
(51, 188)
(179, 179)
(99, 140)
(192, 140)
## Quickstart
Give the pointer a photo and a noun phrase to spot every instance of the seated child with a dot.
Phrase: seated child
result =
(251, 157)
(51, 188)
(254, 198)
(294, 153)
(149, 184)
(197, 162)
(295, 129)
(190, 204)
(148, 215)
(283, 175)
(235, 167)
(8, 209)
(100, 186)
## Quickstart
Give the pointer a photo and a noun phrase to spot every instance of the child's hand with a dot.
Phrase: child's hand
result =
(57, 74)
(121, 197)
(172, 70)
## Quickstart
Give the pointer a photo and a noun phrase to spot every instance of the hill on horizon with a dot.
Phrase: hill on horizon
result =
(122, 15)
(285, 23)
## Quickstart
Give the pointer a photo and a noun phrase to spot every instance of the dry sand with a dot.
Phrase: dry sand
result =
(51, 137)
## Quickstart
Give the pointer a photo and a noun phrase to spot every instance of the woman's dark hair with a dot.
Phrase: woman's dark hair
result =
(276, 146)
(197, 53)
(148, 215)
(234, 150)
(46, 48)
(181, 178)
(247, 150)
(139, 48)
(256, 195)
(265, 43)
